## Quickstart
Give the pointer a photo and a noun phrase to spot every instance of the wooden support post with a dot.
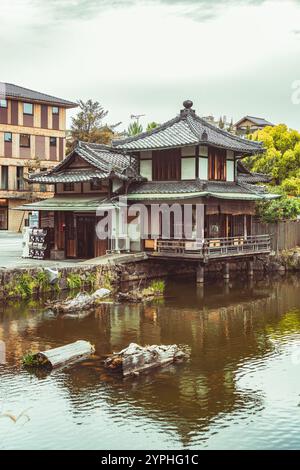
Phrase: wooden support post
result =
(200, 274)
(226, 271)
(250, 268)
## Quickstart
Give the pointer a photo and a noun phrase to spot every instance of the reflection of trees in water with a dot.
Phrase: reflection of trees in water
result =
(225, 332)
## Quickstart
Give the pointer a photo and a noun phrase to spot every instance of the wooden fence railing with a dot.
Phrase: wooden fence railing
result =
(284, 235)
(214, 247)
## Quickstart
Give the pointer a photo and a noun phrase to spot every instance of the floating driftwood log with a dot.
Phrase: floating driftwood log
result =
(135, 359)
(82, 301)
(60, 356)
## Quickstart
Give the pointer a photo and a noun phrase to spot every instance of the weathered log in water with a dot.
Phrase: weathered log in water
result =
(82, 301)
(135, 296)
(62, 355)
(135, 359)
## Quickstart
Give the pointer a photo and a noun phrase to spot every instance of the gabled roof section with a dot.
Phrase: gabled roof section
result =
(105, 162)
(188, 129)
(256, 120)
(9, 90)
(246, 176)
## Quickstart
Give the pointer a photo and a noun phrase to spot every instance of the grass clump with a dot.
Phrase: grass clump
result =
(158, 286)
(74, 281)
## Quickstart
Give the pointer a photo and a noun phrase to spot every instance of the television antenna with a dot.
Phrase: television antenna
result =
(137, 117)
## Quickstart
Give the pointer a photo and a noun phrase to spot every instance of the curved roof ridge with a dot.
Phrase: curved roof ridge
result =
(159, 128)
(224, 132)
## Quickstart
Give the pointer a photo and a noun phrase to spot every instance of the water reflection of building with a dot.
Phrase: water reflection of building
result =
(224, 337)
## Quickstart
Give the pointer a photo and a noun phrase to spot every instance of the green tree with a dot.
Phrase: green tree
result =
(221, 123)
(291, 186)
(135, 128)
(279, 209)
(87, 124)
(152, 125)
(281, 158)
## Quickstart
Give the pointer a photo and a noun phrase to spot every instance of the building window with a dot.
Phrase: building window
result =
(28, 108)
(20, 178)
(4, 177)
(24, 140)
(188, 165)
(96, 185)
(7, 137)
(55, 110)
(68, 186)
(217, 166)
(53, 141)
(3, 103)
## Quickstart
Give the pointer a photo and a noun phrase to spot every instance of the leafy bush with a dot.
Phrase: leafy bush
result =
(279, 209)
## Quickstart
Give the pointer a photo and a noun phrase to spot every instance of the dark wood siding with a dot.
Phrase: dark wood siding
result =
(166, 165)
(217, 164)
(44, 116)
(14, 113)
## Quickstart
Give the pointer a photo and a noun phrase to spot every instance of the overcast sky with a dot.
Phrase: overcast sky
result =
(145, 57)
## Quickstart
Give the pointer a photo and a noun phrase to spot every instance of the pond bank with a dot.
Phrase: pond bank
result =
(27, 282)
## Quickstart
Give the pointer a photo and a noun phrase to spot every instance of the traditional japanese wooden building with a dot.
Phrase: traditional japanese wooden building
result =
(89, 176)
(187, 161)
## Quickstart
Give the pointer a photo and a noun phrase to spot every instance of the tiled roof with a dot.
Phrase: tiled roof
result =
(256, 120)
(69, 176)
(246, 176)
(9, 90)
(188, 129)
(66, 203)
(106, 160)
(193, 186)
(253, 178)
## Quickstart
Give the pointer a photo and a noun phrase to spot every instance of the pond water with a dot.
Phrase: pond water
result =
(240, 389)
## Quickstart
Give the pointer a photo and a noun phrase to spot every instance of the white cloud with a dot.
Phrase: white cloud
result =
(149, 57)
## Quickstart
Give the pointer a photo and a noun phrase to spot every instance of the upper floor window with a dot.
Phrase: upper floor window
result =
(20, 178)
(55, 110)
(3, 103)
(28, 108)
(7, 137)
(24, 140)
(53, 141)
(68, 186)
(4, 177)
(217, 166)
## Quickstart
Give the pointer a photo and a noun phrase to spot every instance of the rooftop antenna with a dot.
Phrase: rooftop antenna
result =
(137, 117)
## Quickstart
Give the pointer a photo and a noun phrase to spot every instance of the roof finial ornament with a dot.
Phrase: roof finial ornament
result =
(204, 136)
(187, 109)
(188, 104)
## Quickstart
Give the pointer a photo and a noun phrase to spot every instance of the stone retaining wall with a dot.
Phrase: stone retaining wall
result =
(23, 282)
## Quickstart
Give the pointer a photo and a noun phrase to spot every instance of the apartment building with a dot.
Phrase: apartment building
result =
(32, 138)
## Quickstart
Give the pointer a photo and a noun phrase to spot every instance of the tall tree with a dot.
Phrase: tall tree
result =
(87, 124)
(135, 128)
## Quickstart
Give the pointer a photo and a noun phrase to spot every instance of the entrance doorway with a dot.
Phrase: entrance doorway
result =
(3, 217)
(86, 237)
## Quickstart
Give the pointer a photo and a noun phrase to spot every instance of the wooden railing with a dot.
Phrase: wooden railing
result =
(214, 247)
